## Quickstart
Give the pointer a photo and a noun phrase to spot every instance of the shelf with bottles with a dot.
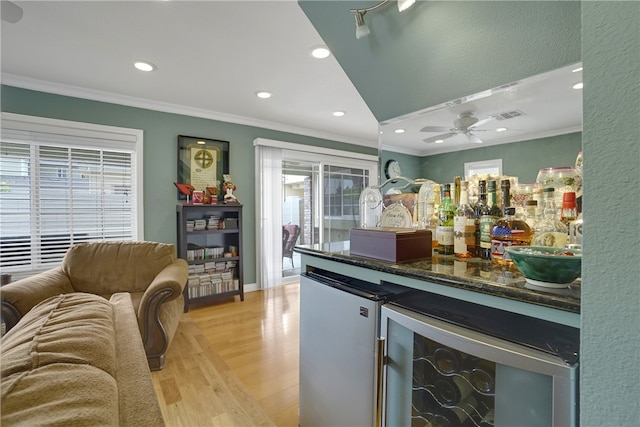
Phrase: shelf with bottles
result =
(451, 388)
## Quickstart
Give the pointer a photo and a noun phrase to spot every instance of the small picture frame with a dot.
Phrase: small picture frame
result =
(202, 162)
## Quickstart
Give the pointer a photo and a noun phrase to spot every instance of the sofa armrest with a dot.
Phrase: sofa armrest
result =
(167, 286)
(22, 295)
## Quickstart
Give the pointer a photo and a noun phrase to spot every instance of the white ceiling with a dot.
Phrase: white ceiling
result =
(212, 56)
(536, 107)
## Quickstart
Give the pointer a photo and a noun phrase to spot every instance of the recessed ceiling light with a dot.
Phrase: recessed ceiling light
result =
(439, 141)
(338, 113)
(578, 85)
(144, 66)
(576, 70)
(501, 129)
(264, 94)
(320, 52)
(399, 131)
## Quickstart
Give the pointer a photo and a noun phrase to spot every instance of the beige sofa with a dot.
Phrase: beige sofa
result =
(77, 359)
(149, 271)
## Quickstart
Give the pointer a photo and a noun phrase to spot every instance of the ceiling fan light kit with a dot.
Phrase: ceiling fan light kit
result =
(466, 124)
(362, 30)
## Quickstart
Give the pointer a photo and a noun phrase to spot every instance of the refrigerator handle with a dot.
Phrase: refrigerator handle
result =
(379, 380)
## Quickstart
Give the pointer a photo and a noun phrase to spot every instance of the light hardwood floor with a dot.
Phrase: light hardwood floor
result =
(234, 363)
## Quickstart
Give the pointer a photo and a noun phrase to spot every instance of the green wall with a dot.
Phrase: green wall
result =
(522, 159)
(610, 338)
(437, 51)
(161, 132)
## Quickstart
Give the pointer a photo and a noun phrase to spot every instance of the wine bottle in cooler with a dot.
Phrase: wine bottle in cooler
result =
(481, 374)
(462, 414)
(448, 361)
(451, 390)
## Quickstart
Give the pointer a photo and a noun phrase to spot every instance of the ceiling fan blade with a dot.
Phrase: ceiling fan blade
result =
(443, 136)
(435, 129)
(480, 122)
(11, 12)
(474, 139)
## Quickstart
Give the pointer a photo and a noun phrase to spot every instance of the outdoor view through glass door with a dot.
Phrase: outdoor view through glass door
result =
(320, 205)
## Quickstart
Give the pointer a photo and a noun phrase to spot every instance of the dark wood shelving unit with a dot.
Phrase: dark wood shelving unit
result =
(215, 271)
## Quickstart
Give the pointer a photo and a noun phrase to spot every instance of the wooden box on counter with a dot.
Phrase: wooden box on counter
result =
(390, 244)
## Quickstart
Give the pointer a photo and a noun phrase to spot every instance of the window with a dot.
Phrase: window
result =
(343, 186)
(491, 167)
(62, 183)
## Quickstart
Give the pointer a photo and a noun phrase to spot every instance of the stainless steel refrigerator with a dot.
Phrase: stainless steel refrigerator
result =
(339, 330)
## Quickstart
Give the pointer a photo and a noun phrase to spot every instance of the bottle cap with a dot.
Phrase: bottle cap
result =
(531, 203)
(549, 189)
(569, 200)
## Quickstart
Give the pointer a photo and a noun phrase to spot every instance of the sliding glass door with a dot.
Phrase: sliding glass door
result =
(322, 199)
(305, 196)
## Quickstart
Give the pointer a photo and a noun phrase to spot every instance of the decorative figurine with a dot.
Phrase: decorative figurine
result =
(229, 188)
(213, 194)
(185, 189)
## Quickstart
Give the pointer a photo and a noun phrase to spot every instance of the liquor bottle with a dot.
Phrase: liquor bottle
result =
(490, 213)
(508, 231)
(455, 191)
(569, 210)
(432, 224)
(530, 216)
(446, 214)
(505, 201)
(464, 226)
(575, 232)
(549, 230)
(477, 213)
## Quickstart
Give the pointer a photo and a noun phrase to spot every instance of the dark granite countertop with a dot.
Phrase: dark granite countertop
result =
(471, 274)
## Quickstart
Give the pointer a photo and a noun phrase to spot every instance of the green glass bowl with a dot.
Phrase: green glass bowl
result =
(545, 267)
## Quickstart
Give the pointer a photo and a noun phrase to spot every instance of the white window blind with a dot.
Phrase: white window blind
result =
(63, 183)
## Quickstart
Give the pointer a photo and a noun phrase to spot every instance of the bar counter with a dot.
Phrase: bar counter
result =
(471, 279)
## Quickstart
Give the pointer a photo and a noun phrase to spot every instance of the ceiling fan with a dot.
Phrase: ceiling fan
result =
(465, 124)
(11, 12)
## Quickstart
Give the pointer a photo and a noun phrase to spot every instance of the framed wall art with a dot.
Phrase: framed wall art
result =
(202, 162)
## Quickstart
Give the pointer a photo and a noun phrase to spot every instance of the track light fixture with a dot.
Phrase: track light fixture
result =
(362, 30)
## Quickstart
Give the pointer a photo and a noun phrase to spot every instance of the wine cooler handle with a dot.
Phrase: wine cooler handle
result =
(379, 380)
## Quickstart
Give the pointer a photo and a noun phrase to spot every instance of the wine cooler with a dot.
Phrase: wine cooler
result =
(454, 363)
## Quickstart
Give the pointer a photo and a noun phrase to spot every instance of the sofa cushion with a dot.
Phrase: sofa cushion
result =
(61, 394)
(105, 268)
(61, 356)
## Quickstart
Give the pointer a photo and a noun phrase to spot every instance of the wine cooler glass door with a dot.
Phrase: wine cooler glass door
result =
(439, 374)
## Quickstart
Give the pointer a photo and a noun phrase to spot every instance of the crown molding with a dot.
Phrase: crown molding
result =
(113, 98)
